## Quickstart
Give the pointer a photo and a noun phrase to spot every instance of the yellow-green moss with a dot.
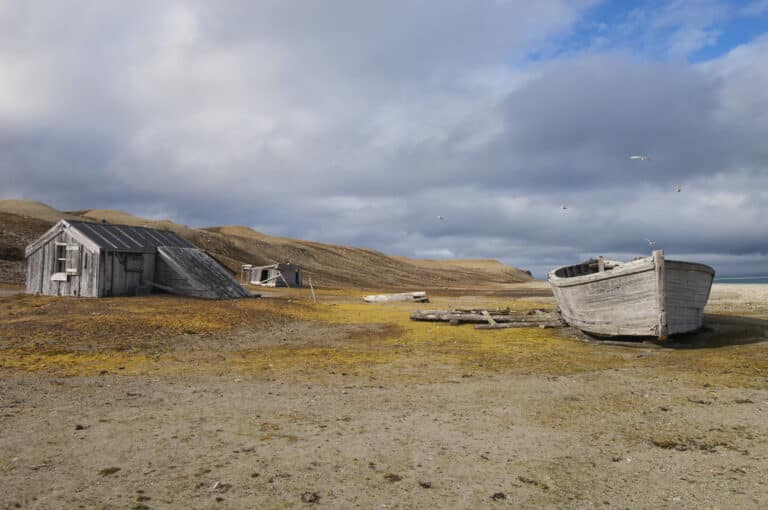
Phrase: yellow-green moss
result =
(87, 336)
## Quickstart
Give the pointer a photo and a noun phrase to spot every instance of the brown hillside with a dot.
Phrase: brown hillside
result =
(16, 232)
(123, 218)
(31, 209)
(328, 265)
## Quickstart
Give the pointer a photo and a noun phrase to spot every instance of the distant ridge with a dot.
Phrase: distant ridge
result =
(31, 209)
(329, 265)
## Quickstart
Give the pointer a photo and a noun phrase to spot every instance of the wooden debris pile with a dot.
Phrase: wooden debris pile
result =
(491, 319)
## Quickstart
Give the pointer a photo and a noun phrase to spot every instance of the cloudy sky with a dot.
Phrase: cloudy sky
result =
(361, 122)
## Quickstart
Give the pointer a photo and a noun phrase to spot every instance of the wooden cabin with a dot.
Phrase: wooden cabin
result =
(78, 258)
(276, 275)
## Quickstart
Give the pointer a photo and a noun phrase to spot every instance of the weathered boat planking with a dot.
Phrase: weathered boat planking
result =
(646, 297)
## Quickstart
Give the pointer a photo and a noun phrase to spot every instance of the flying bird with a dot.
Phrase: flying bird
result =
(640, 157)
(678, 188)
(651, 243)
(441, 218)
(563, 207)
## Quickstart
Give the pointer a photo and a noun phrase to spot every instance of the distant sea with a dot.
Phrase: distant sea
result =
(742, 279)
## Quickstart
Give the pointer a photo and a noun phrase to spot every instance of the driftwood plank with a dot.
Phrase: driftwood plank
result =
(506, 325)
(489, 318)
(455, 317)
(415, 297)
(498, 311)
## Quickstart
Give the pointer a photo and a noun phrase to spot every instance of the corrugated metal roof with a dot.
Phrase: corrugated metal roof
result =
(113, 237)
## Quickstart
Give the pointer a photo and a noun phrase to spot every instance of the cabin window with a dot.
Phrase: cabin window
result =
(60, 264)
(67, 261)
(298, 278)
(85, 260)
(264, 275)
(73, 259)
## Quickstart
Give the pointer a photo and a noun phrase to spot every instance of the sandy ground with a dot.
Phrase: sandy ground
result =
(278, 403)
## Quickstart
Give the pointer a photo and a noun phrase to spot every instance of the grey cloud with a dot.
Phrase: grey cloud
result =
(360, 123)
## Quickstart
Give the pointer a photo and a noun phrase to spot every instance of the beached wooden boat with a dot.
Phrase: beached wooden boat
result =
(646, 297)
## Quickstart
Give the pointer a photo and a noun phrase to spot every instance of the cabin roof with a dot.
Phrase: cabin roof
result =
(111, 237)
(277, 265)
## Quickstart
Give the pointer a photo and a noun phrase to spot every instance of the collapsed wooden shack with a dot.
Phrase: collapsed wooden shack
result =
(77, 258)
(282, 274)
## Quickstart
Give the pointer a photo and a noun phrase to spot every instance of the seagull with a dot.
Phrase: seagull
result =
(640, 157)
(651, 243)
(563, 207)
(441, 218)
(678, 188)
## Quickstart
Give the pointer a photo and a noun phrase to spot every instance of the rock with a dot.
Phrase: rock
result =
(531, 481)
(221, 487)
(109, 471)
(425, 485)
(498, 496)
(392, 478)
(80, 427)
(310, 497)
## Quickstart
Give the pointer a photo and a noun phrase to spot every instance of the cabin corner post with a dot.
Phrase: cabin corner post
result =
(662, 330)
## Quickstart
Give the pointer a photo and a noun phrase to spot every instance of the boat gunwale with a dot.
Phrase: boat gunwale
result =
(628, 268)
(636, 266)
(692, 266)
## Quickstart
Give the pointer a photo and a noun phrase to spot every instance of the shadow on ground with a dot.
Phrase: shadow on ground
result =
(718, 331)
(722, 331)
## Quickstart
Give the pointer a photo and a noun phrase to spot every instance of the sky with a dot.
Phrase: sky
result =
(436, 129)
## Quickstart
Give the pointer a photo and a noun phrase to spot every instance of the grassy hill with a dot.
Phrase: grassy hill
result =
(329, 265)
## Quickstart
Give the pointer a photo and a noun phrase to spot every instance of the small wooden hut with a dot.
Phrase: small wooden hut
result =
(77, 258)
(282, 274)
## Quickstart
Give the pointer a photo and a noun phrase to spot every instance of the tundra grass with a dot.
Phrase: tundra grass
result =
(139, 336)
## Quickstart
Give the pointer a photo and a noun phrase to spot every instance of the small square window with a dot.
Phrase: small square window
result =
(60, 263)
(73, 259)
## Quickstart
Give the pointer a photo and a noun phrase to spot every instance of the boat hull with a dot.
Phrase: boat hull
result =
(639, 298)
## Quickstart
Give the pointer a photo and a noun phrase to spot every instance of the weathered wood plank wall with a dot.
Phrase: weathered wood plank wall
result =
(41, 266)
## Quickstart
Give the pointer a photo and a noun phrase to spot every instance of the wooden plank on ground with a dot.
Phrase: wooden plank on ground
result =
(415, 297)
